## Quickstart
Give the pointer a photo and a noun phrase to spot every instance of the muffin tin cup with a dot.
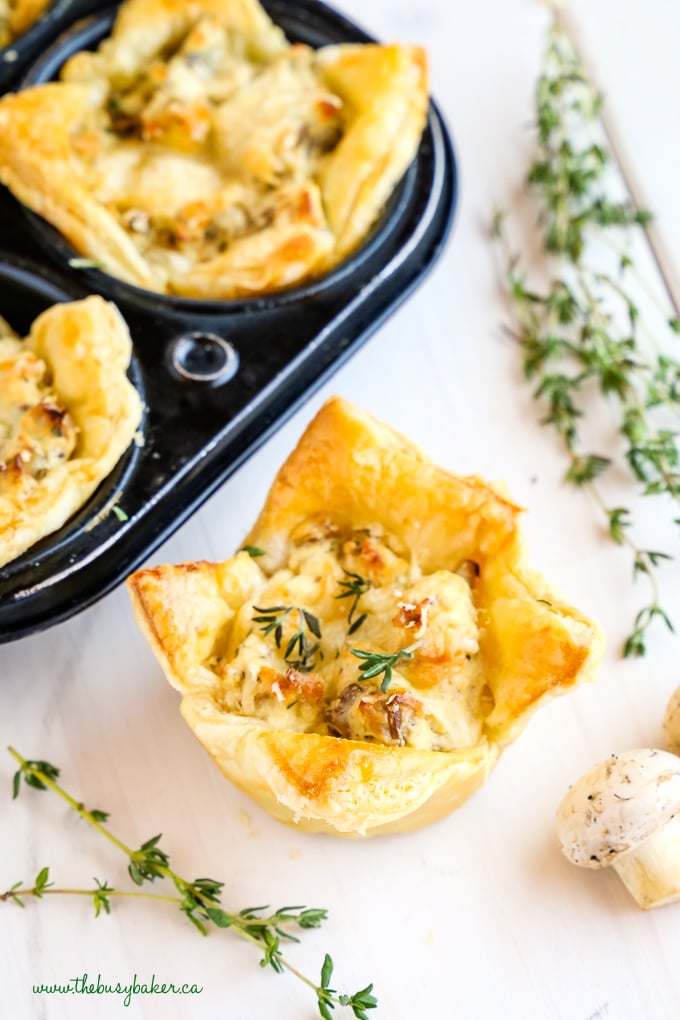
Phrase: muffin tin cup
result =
(217, 377)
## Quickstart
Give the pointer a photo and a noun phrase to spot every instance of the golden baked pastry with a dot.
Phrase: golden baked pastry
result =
(198, 153)
(67, 414)
(360, 669)
(17, 16)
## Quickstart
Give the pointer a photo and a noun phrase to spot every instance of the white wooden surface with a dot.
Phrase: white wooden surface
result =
(477, 917)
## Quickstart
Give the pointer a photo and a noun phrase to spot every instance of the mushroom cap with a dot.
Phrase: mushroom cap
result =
(617, 805)
(671, 723)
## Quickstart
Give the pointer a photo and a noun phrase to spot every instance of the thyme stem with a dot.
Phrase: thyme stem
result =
(71, 801)
(126, 893)
(584, 329)
(198, 900)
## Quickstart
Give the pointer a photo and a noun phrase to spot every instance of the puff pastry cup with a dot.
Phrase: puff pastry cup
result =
(67, 414)
(198, 153)
(364, 545)
(17, 16)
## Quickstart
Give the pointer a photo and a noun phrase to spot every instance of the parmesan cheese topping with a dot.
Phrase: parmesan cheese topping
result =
(436, 700)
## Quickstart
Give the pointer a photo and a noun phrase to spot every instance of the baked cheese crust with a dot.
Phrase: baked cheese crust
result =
(17, 16)
(365, 553)
(67, 414)
(197, 153)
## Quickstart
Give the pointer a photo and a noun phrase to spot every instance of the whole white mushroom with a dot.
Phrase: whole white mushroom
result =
(671, 724)
(625, 813)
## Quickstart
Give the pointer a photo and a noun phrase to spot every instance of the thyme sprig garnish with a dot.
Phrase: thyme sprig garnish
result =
(375, 664)
(271, 620)
(355, 587)
(582, 333)
(199, 900)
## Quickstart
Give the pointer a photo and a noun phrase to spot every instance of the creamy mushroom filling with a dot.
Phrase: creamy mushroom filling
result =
(289, 659)
(36, 430)
(208, 145)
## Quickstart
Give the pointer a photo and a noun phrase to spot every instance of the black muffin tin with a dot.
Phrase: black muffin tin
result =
(216, 378)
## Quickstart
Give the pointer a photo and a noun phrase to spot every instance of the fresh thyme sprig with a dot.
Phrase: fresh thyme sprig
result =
(355, 587)
(271, 620)
(583, 332)
(382, 663)
(199, 900)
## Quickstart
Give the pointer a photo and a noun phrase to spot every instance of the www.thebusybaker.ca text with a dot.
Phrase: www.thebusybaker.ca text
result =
(84, 985)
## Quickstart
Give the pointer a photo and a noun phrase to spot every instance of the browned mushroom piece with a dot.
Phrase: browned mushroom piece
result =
(364, 712)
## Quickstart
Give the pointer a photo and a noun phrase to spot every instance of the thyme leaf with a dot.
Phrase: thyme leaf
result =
(78, 263)
(354, 588)
(37, 774)
(377, 664)
(301, 651)
(254, 551)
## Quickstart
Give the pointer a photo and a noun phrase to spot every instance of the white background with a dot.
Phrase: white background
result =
(478, 916)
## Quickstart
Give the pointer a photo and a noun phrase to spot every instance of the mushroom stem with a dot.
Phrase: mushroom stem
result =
(651, 872)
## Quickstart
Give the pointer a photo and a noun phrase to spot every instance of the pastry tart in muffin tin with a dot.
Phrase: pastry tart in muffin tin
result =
(361, 664)
(67, 414)
(198, 153)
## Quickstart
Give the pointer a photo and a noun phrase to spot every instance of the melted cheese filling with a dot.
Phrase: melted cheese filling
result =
(208, 148)
(300, 674)
(36, 431)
